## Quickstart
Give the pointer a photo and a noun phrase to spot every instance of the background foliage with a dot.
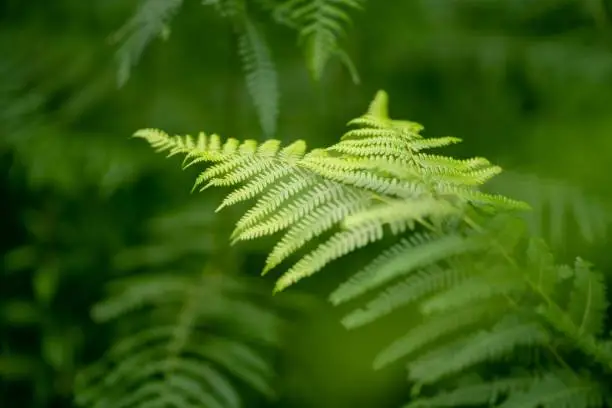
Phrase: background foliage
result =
(526, 84)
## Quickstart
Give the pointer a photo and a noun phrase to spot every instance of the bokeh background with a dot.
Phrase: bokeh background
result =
(527, 84)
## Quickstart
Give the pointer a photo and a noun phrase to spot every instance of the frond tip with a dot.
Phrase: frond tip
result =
(321, 24)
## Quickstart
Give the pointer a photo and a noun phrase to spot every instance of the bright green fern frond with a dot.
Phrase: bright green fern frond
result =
(337, 246)
(335, 198)
(237, 161)
(277, 196)
(261, 77)
(399, 214)
(256, 186)
(432, 143)
(371, 143)
(150, 21)
(321, 24)
(199, 337)
(376, 178)
(315, 220)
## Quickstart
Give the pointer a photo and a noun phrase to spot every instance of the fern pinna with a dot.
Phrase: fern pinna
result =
(480, 291)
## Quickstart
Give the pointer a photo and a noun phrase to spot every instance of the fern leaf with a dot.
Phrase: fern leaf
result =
(347, 174)
(321, 24)
(413, 288)
(261, 77)
(432, 329)
(399, 214)
(274, 199)
(483, 346)
(561, 321)
(311, 226)
(432, 143)
(564, 203)
(309, 193)
(553, 391)
(150, 21)
(174, 362)
(411, 253)
(338, 245)
(481, 393)
(588, 302)
(337, 198)
(478, 287)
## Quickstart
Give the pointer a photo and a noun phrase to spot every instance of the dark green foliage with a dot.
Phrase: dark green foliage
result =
(184, 337)
(188, 330)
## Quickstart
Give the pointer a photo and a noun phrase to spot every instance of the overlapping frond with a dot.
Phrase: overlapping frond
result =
(459, 354)
(476, 392)
(261, 77)
(149, 21)
(559, 208)
(558, 389)
(553, 389)
(321, 25)
(204, 339)
(487, 316)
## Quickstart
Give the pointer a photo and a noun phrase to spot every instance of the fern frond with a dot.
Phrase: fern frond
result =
(456, 251)
(477, 287)
(150, 21)
(416, 286)
(557, 390)
(376, 176)
(338, 245)
(555, 205)
(261, 77)
(584, 316)
(277, 196)
(480, 347)
(180, 360)
(256, 186)
(321, 24)
(399, 214)
(416, 251)
(351, 173)
(336, 198)
(434, 328)
(588, 302)
(480, 393)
